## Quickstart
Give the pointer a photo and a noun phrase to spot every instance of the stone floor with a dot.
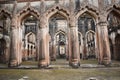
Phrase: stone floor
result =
(62, 63)
(61, 74)
(60, 70)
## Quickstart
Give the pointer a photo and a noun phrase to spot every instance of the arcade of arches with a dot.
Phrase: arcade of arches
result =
(67, 29)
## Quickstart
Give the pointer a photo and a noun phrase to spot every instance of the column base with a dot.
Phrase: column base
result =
(67, 58)
(43, 64)
(13, 63)
(74, 64)
(107, 62)
(53, 59)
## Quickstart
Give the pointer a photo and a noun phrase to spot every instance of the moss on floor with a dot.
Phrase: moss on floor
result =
(60, 74)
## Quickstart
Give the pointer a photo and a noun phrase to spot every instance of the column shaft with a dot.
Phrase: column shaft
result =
(14, 48)
(104, 48)
(43, 50)
(74, 48)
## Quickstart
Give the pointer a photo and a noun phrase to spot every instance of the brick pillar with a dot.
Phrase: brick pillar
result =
(103, 40)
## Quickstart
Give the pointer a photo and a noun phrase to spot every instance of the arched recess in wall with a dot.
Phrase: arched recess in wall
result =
(5, 22)
(57, 9)
(113, 19)
(60, 39)
(57, 21)
(117, 47)
(29, 19)
(87, 20)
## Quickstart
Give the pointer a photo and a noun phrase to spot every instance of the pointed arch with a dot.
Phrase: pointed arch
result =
(80, 34)
(29, 34)
(90, 31)
(57, 9)
(92, 12)
(6, 13)
(114, 8)
(28, 11)
(60, 31)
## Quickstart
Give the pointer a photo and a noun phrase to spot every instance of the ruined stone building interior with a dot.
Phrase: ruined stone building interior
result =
(47, 30)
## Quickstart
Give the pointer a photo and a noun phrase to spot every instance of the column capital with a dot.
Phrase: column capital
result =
(43, 21)
(72, 21)
(102, 23)
(14, 22)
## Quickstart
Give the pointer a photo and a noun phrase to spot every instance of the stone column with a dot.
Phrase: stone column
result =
(14, 35)
(74, 59)
(43, 43)
(74, 46)
(14, 44)
(104, 49)
(43, 48)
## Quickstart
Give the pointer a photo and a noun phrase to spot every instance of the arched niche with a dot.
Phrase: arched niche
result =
(86, 26)
(3, 51)
(61, 44)
(113, 19)
(5, 23)
(30, 46)
(117, 47)
(29, 25)
(58, 24)
(90, 40)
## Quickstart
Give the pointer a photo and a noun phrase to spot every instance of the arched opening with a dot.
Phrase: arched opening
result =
(4, 35)
(2, 51)
(86, 26)
(90, 44)
(61, 45)
(117, 45)
(29, 49)
(114, 28)
(58, 26)
(29, 39)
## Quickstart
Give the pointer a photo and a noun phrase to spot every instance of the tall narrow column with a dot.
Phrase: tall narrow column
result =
(14, 58)
(74, 59)
(43, 48)
(104, 49)
(43, 40)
